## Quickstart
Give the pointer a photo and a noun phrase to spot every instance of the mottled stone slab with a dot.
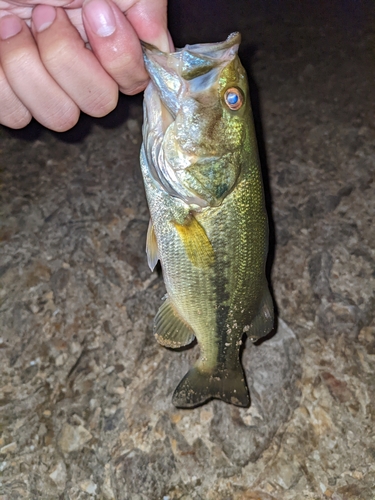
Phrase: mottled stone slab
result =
(85, 391)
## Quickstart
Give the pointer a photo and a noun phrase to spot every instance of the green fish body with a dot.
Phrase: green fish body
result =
(208, 224)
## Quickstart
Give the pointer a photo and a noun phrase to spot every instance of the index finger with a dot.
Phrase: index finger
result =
(115, 44)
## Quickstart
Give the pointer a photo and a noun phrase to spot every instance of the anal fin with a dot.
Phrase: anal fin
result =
(263, 322)
(170, 329)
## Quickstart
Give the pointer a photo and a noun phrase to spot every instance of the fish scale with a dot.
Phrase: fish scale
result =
(208, 220)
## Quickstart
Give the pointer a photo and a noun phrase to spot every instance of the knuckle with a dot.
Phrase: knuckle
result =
(16, 61)
(58, 56)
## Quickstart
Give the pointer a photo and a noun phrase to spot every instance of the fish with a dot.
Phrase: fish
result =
(208, 221)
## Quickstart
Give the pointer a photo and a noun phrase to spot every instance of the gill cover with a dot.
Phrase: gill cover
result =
(185, 143)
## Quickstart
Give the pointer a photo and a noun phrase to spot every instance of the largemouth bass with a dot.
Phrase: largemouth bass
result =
(208, 224)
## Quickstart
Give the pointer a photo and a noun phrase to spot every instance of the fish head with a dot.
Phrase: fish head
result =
(197, 113)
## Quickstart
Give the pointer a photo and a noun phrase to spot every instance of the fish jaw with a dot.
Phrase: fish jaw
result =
(170, 71)
(186, 124)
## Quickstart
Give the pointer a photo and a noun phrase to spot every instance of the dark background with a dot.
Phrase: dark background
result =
(281, 27)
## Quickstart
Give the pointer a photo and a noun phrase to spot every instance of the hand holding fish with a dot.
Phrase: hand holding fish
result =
(46, 70)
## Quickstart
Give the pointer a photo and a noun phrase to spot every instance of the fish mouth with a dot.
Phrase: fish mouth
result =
(191, 68)
(175, 77)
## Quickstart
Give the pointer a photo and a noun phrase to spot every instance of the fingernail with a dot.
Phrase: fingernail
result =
(170, 43)
(163, 42)
(43, 16)
(100, 17)
(9, 26)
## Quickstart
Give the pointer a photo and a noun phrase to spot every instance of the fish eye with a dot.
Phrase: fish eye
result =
(233, 98)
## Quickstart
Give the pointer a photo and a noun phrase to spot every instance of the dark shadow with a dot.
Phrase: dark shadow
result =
(124, 109)
(31, 132)
(183, 348)
(85, 124)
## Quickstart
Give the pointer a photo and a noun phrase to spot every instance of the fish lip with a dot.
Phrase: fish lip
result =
(232, 39)
(171, 72)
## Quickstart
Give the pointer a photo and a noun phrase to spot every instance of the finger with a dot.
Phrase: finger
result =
(30, 81)
(74, 67)
(13, 113)
(115, 44)
(149, 20)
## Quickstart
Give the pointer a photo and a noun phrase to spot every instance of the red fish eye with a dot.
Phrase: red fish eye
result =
(233, 98)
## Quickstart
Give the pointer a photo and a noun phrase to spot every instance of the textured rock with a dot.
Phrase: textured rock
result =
(85, 391)
(72, 438)
(58, 475)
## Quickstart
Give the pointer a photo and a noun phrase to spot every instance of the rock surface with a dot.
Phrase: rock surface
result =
(85, 391)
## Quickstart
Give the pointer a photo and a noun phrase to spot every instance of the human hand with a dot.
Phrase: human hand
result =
(46, 70)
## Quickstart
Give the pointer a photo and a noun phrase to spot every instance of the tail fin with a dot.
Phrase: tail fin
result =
(197, 387)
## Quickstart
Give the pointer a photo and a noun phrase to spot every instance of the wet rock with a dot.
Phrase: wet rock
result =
(109, 273)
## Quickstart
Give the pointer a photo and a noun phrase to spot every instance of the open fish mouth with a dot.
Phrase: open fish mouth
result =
(179, 80)
(192, 68)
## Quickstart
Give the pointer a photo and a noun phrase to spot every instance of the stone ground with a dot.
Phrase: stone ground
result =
(85, 391)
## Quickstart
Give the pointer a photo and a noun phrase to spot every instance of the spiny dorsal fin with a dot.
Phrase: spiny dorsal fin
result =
(197, 245)
(170, 329)
(151, 247)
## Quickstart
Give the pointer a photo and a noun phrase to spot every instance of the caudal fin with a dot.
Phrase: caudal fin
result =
(197, 387)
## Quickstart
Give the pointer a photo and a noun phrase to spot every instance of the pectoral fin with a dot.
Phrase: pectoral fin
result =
(170, 329)
(151, 247)
(263, 322)
(197, 245)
